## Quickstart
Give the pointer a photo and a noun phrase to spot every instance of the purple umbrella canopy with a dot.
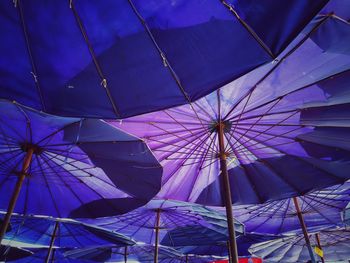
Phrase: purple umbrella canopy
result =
(68, 167)
(114, 59)
(335, 245)
(285, 126)
(320, 209)
(141, 223)
(138, 253)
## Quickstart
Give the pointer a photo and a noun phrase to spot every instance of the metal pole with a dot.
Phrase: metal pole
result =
(303, 227)
(319, 245)
(227, 193)
(157, 236)
(125, 254)
(186, 258)
(53, 237)
(16, 191)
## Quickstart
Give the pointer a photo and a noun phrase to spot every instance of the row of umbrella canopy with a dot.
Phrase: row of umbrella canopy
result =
(258, 122)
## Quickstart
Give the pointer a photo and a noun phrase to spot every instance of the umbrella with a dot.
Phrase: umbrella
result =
(335, 246)
(8, 253)
(317, 210)
(153, 221)
(114, 59)
(51, 232)
(60, 159)
(320, 209)
(346, 214)
(58, 255)
(209, 241)
(262, 128)
(139, 252)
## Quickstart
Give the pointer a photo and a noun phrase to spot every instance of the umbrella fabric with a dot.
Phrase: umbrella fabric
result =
(346, 214)
(335, 245)
(58, 255)
(64, 173)
(271, 127)
(209, 241)
(139, 252)
(38, 231)
(8, 253)
(320, 209)
(140, 223)
(112, 59)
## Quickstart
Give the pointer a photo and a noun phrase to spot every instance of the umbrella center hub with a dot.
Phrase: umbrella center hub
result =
(214, 126)
(36, 148)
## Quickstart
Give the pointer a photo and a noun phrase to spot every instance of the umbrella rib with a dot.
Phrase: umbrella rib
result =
(47, 184)
(293, 91)
(50, 135)
(15, 141)
(253, 185)
(47, 161)
(269, 217)
(28, 122)
(79, 181)
(171, 142)
(93, 56)
(264, 114)
(284, 214)
(319, 212)
(278, 63)
(81, 169)
(230, 7)
(30, 55)
(256, 121)
(159, 50)
(14, 167)
(303, 160)
(280, 135)
(178, 131)
(254, 138)
(173, 134)
(75, 238)
(281, 175)
(197, 145)
(181, 164)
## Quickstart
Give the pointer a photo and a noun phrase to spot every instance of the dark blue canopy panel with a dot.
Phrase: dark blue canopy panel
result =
(115, 59)
(76, 165)
(8, 253)
(38, 232)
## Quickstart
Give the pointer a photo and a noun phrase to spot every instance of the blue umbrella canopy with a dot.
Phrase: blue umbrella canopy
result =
(64, 174)
(346, 214)
(8, 253)
(139, 253)
(335, 246)
(114, 59)
(141, 223)
(284, 116)
(320, 209)
(38, 231)
(58, 255)
(204, 241)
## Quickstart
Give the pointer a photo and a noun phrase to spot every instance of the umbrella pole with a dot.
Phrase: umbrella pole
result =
(303, 227)
(227, 194)
(229, 252)
(53, 237)
(16, 191)
(126, 254)
(157, 236)
(319, 245)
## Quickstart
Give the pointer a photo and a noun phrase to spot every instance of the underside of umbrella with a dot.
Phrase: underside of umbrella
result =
(113, 59)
